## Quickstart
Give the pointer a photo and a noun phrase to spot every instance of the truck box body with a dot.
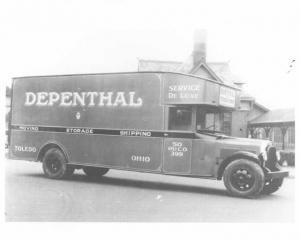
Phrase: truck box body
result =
(116, 120)
(109, 114)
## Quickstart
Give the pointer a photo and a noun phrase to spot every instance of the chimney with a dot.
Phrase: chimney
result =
(199, 51)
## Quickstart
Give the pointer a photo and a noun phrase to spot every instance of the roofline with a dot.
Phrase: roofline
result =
(261, 106)
(218, 62)
(250, 98)
(240, 82)
(247, 98)
(202, 63)
(181, 62)
(131, 72)
(161, 61)
(264, 123)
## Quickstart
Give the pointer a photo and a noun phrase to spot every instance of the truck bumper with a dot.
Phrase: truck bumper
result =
(278, 174)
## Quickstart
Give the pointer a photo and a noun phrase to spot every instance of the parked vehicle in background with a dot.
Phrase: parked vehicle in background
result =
(154, 122)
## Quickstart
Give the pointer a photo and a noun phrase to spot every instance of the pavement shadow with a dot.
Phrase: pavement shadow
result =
(136, 183)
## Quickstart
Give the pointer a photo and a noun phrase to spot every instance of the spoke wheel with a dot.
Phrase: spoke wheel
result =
(55, 164)
(244, 178)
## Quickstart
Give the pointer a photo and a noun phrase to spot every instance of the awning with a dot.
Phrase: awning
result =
(275, 118)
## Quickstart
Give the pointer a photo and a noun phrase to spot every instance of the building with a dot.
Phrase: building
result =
(248, 110)
(277, 125)
(249, 119)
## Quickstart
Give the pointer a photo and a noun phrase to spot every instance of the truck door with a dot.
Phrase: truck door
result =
(178, 145)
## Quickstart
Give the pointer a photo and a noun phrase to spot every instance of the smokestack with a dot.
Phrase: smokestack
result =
(199, 51)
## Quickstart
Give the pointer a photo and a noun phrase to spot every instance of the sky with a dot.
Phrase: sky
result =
(259, 39)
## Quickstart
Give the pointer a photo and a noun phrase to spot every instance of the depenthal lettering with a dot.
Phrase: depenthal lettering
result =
(89, 99)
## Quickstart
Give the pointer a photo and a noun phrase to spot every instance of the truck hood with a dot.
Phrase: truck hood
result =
(259, 145)
(245, 141)
(242, 143)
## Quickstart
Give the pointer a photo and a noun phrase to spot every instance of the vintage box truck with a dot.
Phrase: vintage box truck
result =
(154, 122)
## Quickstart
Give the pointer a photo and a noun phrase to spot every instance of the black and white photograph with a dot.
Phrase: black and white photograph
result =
(149, 112)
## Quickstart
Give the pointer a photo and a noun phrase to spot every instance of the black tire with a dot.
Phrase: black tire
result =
(55, 164)
(272, 186)
(93, 172)
(244, 178)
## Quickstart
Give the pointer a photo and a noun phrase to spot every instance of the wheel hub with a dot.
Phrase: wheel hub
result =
(242, 179)
(53, 164)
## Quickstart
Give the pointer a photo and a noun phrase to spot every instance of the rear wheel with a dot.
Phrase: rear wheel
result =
(55, 164)
(94, 172)
(244, 178)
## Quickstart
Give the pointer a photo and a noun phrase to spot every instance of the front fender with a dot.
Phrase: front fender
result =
(243, 154)
(237, 155)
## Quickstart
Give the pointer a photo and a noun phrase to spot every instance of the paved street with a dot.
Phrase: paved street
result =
(137, 197)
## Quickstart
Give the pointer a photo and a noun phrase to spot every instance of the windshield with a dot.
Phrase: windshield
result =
(207, 119)
(210, 119)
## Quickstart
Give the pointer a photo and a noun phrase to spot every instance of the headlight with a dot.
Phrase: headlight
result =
(264, 155)
(264, 151)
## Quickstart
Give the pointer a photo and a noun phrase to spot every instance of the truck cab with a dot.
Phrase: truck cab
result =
(215, 153)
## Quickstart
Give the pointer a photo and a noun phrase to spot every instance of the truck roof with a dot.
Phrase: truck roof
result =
(128, 72)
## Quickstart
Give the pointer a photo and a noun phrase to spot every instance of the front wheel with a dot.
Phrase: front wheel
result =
(272, 185)
(244, 178)
(55, 164)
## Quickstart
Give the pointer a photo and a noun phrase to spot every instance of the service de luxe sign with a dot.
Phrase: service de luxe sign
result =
(227, 97)
(183, 90)
(180, 89)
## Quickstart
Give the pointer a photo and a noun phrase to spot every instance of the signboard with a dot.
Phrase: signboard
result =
(177, 156)
(90, 101)
(227, 97)
(183, 90)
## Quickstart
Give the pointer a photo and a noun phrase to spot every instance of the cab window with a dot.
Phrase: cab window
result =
(180, 118)
(215, 120)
